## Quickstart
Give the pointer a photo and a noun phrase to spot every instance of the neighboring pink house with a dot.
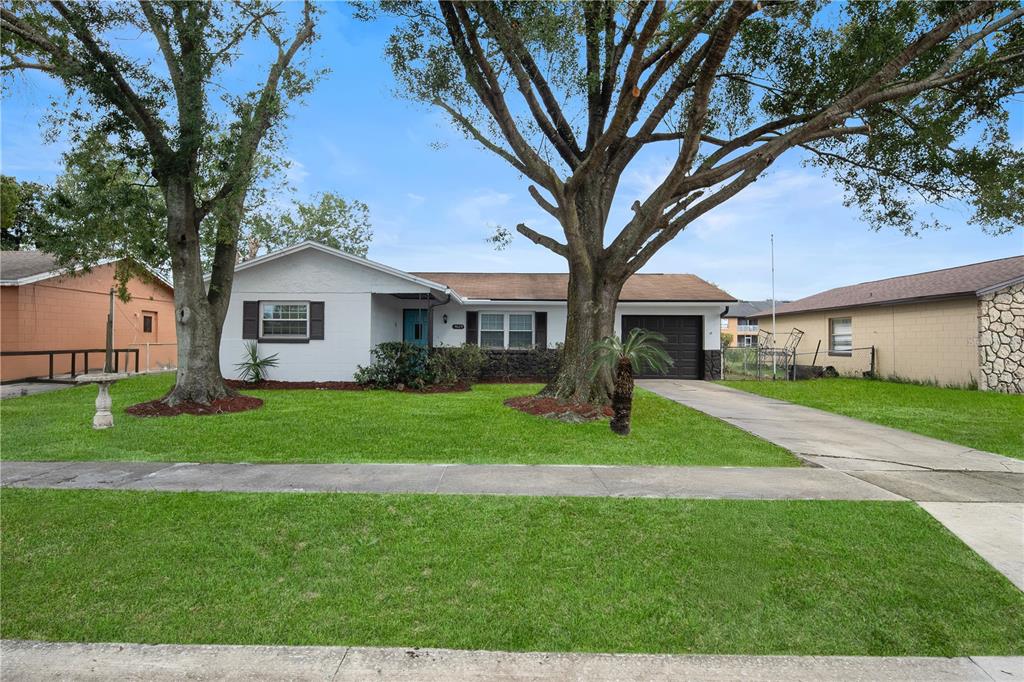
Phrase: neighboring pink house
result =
(43, 308)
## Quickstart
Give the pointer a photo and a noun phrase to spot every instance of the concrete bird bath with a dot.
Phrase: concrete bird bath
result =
(103, 418)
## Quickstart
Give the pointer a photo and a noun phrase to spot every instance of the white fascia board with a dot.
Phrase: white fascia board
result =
(365, 262)
(487, 302)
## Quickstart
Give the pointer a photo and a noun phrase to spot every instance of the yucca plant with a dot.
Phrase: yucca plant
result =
(642, 350)
(253, 368)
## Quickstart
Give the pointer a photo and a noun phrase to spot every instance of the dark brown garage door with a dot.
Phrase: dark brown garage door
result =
(682, 334)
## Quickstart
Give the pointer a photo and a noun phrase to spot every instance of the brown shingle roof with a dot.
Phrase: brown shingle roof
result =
(19, 264)
(960, 281)
(524, 286)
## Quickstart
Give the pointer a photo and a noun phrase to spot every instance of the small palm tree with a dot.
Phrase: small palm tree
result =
(641, 350)
(253, 368)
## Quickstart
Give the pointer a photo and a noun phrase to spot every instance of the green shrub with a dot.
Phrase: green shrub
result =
(395, 364)
(456, 364)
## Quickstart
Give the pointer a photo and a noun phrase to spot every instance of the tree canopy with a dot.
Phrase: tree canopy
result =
(173, 110)
(904, 104)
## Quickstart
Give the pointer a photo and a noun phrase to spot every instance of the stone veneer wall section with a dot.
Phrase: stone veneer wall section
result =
(539, 364)
(712, 365)
(1001, 340)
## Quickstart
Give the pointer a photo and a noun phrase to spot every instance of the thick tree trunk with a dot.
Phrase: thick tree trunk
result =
(591, 317)
(198, 323)
(622, 398)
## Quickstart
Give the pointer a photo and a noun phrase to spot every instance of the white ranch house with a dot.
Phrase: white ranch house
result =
(322, 311)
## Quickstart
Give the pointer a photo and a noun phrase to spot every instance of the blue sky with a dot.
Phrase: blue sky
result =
(434, 197)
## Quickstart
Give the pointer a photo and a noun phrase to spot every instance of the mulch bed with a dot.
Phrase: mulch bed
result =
(270, 385)
(158, 408)
(553, 408)
(513, 380)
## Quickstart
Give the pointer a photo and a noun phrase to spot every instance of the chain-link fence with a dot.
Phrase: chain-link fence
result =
(748, 363)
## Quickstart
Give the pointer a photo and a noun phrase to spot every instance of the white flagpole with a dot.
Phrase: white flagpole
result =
(772, 238)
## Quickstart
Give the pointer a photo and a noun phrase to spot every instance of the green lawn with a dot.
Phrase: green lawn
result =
(977, 419)
(550, 574)
(370, 426)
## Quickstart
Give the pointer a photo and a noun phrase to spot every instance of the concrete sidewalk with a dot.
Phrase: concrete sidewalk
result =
(68, 661)
(802, 483)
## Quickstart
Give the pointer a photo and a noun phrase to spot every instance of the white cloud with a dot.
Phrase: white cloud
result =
(296, 172)
(481, 209)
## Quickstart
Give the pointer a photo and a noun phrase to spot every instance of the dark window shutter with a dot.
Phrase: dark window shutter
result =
(471, 327)
(540, 329)
(251, 320)
(316, 320)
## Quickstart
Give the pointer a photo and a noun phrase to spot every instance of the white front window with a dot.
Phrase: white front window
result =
(284, 320)
(506, 330)
(520, 330)
(492, 330)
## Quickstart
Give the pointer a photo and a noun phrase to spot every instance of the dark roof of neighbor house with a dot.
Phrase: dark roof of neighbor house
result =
(21, 264)
(524, 286)
(965, 280)
(34, 266)
(751, 308)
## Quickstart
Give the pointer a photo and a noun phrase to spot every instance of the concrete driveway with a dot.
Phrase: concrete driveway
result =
(826, 439)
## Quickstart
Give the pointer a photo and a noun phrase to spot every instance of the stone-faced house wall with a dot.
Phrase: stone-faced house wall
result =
(1001, 340)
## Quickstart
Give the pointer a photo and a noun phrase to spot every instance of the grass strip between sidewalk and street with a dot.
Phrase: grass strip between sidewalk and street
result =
(498, 573)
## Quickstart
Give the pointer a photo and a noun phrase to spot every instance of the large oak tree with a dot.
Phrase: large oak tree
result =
(179, 113)
(902, 103)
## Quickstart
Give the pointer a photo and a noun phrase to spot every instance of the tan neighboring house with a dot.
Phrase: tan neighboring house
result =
(45, 309)
(957, 326)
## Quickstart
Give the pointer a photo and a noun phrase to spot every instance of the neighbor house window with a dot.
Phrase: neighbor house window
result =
(284, 320)
(725, 323)
(506, 330)
(840, 335)
(492, 330)
(147, 324)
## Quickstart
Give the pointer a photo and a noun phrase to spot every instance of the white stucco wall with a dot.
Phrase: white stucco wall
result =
(360, 312)
(348, 291)
(386, 314)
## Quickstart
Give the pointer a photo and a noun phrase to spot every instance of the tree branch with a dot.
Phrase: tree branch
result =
(528, 76)
(19, 65)
(484, 82)
(259, 120)
(468, 126)
(542, 202)
(543, 240)
(126, 98)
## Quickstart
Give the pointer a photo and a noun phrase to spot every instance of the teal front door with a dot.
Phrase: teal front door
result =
(414, 326)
